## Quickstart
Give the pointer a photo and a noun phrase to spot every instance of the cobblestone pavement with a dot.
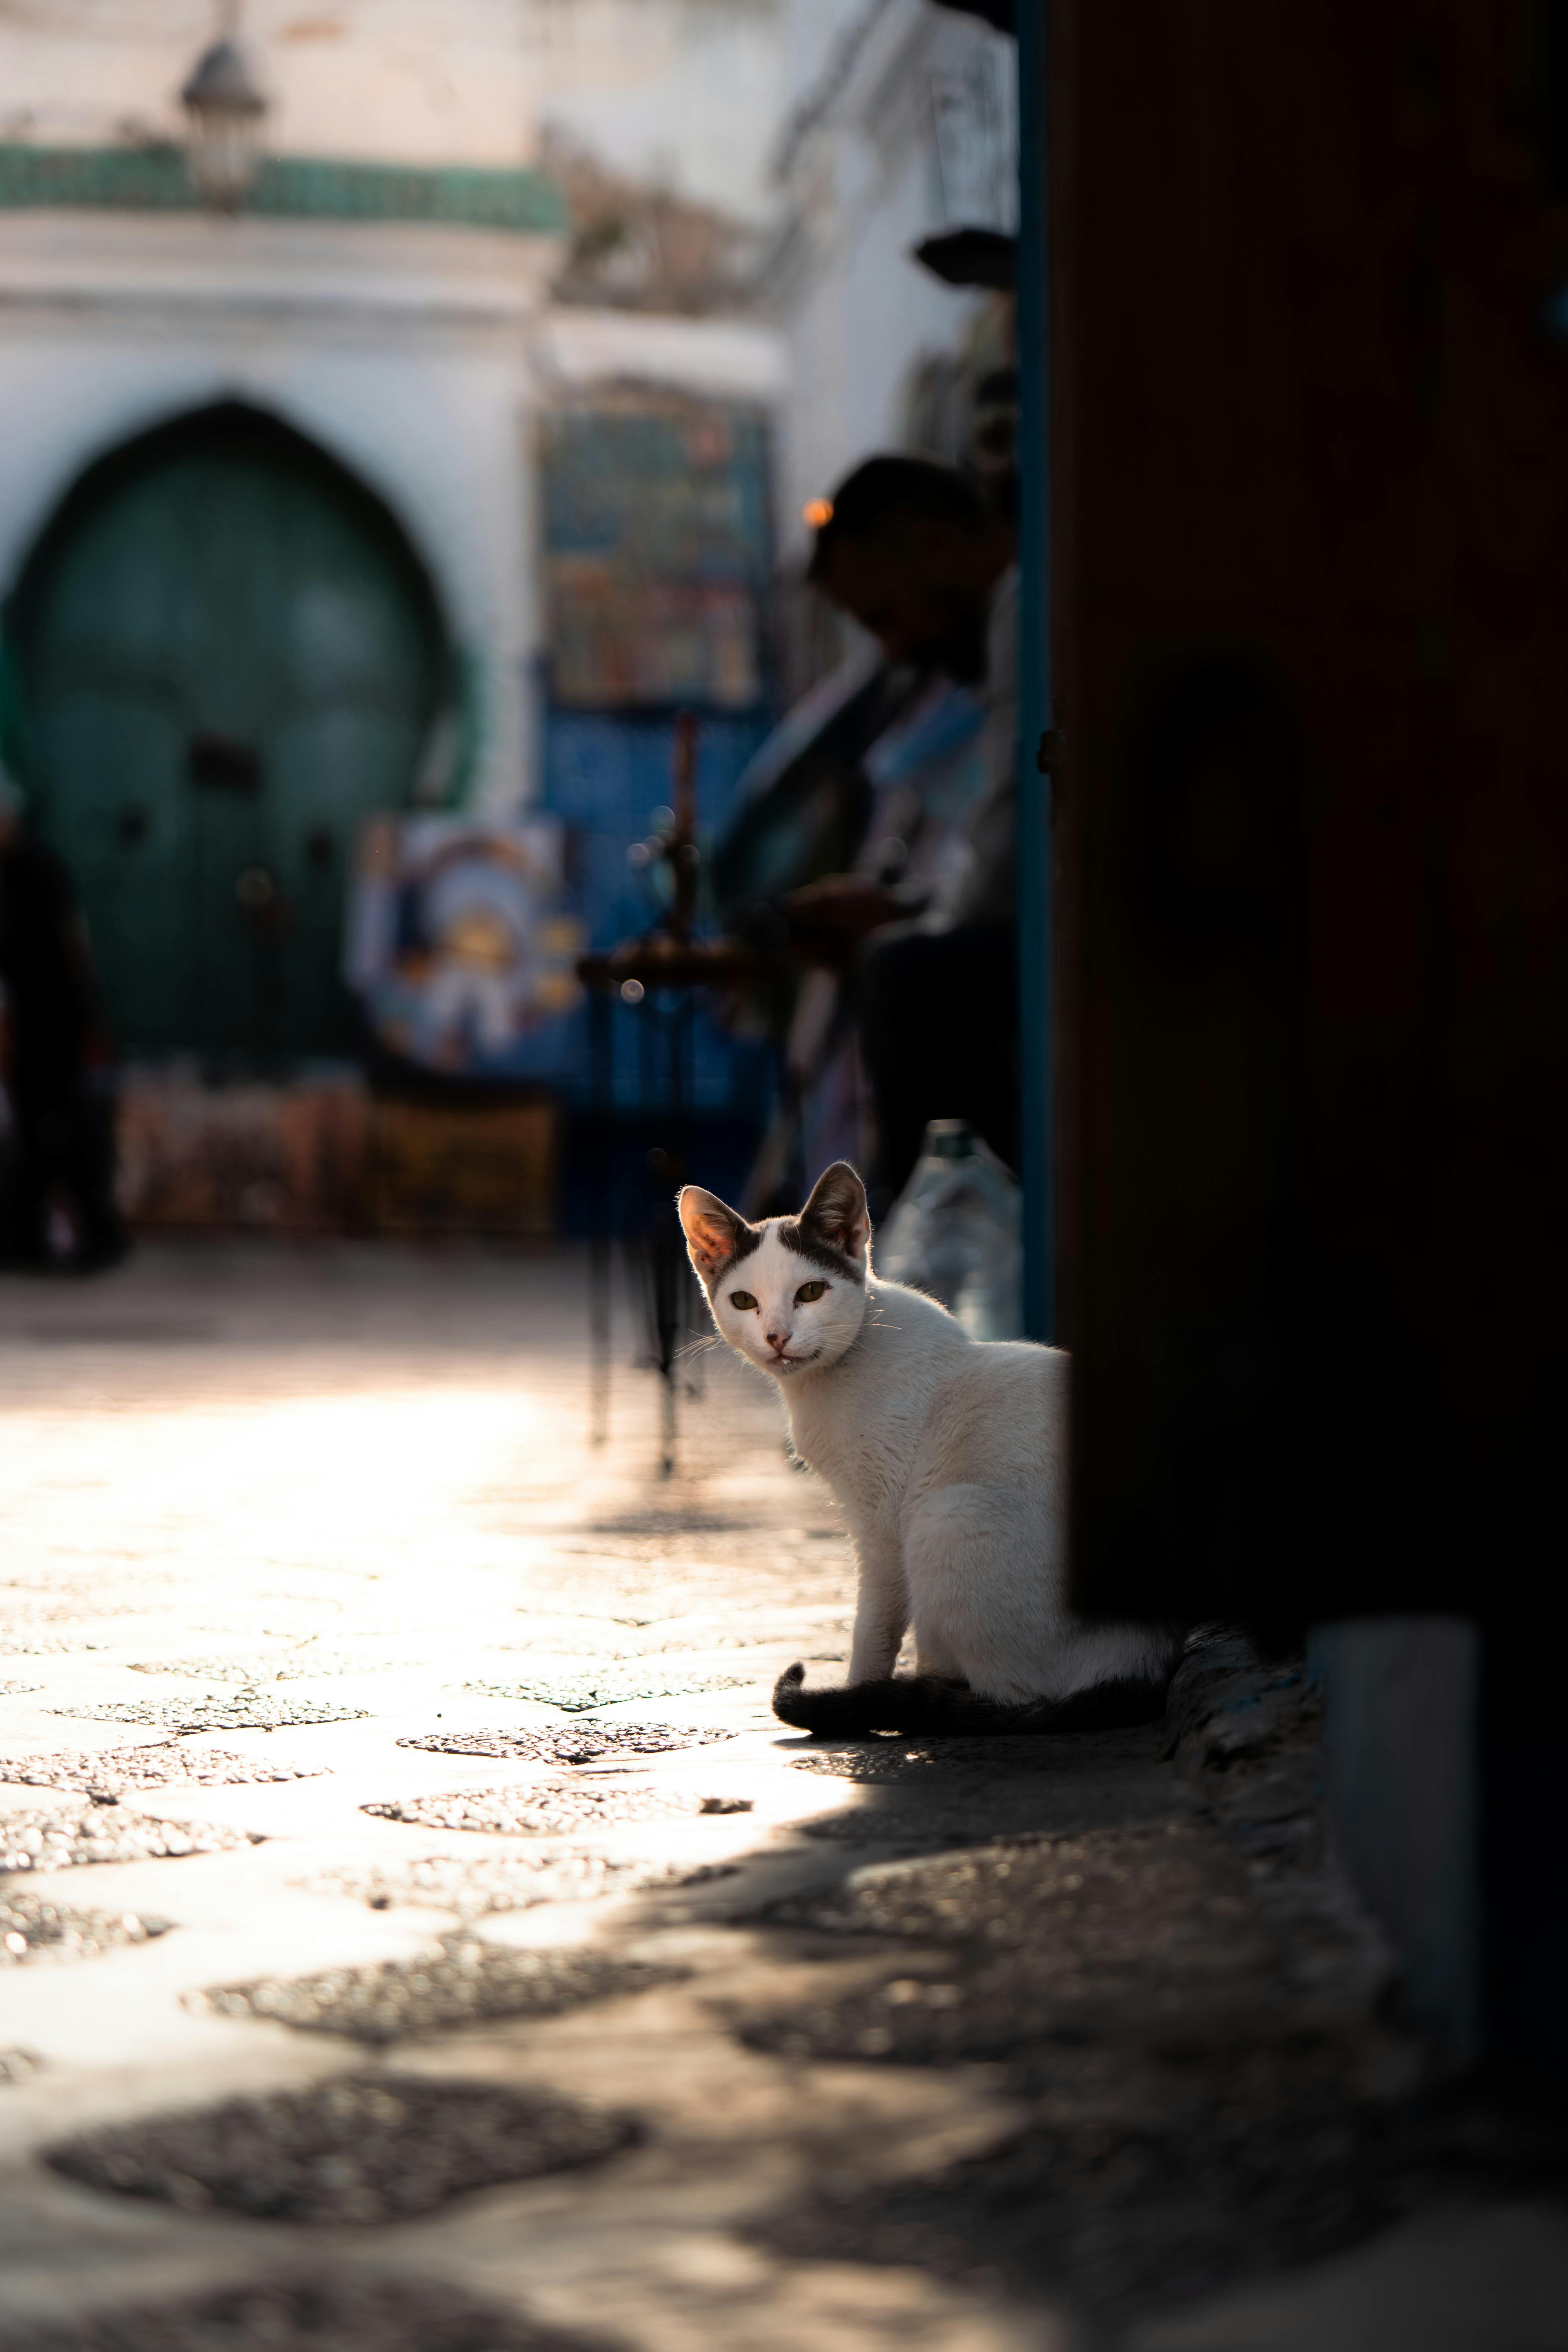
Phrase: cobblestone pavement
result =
(416, 1933)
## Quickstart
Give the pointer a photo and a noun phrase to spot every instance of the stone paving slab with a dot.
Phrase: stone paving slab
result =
(255, 1668)
(578, 1743)
(494, 1883)
(1121, 1935)
(460, 1981)
(340, 2313)
(63, 1838)
(969, 1812)
(161, 1764)
(912, 1827)
(33, 1642)
(1146, 1896)
(360, 2148)
(580, 1693)
(929, 1765)
(33, 1928)
(1134, 2197)
(240, 1710)
(548, 1812)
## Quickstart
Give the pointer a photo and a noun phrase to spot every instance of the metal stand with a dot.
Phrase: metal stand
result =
(649, 1225)
(658, 977)
(669, 1290)
(602, 1082)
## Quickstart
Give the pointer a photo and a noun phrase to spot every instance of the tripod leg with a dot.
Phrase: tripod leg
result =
(666, 1396)
(667, 1256)
(598, 1339)
(601, 1080)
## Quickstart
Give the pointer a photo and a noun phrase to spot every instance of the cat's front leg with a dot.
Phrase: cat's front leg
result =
(881, 1608)
(932, 1656)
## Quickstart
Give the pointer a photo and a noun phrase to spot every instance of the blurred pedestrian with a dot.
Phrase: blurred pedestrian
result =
(915, 553)
(57, 1063)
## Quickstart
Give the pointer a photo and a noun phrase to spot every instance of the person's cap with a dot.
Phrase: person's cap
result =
(884, 486)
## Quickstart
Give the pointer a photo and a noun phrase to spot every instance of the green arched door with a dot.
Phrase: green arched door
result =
(228, 655)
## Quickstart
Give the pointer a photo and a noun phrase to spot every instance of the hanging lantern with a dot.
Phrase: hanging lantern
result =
(225, 109)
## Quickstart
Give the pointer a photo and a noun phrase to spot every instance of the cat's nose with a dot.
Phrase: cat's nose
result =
(778, 1341)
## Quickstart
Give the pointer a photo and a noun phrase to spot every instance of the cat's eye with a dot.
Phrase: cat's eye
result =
(809, 1293)
(742, 1298)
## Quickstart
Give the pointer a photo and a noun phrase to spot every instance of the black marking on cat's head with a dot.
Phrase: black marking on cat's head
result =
(717, 1236)
(833, 1229)
(831, 1261)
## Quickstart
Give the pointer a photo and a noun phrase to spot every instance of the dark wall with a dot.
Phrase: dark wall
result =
(1310, 483)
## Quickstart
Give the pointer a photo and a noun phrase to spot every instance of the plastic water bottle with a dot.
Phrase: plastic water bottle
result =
(953, 1231)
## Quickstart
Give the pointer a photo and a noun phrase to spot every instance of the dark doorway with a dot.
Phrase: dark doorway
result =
(230, 654)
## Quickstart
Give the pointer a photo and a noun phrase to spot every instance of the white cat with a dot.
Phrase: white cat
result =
(949, 1458)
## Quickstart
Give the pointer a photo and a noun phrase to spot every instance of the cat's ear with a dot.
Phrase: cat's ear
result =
(836, 1212)
(713, 1232)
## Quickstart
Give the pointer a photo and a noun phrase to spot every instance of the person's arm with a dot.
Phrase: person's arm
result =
(828, 919)
(983, 892)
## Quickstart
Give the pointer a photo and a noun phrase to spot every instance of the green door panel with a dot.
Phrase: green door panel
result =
(228, 655)
(120, 833)
(331, 764)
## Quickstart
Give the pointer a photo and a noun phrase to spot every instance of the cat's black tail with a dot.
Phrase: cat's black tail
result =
(915, 1703)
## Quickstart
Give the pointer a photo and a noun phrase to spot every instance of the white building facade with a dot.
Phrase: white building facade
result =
(385, 289)
(375, 317)
(378, 317)
(900, 126)
(401, 352)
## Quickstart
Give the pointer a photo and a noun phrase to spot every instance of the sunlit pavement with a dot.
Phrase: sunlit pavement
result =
(349, 1493)
(227, 1458)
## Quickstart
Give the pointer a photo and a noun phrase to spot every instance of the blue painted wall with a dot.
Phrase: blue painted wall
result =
(605, 776)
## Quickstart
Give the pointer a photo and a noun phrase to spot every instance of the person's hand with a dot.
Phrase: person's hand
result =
(843, 903)
(828, 919)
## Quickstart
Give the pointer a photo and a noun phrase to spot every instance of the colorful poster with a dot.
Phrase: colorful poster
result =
(655, 555)
(457, 946)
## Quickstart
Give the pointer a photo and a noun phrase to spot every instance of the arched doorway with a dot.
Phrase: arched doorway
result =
(228, 654)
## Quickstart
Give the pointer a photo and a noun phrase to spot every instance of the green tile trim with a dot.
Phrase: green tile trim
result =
(288, 187)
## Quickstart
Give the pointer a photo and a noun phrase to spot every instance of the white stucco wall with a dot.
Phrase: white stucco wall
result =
(686, 94)
(868, 318)
(726, 359)
(424, 81)
(686, 91)
(862, 185)
(416, 356)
